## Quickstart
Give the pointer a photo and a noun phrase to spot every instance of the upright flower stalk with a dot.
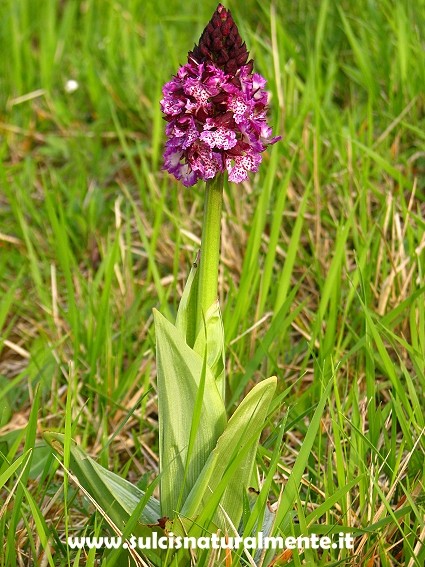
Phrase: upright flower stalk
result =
(210, 248)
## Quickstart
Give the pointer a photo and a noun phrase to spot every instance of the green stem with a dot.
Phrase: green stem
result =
(210, 247)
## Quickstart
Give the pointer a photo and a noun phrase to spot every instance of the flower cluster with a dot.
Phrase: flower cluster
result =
(215, 108)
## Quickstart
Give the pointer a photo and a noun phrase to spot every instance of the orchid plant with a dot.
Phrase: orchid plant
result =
(216, 113)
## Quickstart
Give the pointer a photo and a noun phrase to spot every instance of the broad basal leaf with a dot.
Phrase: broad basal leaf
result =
(227, 473)
(116, 496)
(180, 375)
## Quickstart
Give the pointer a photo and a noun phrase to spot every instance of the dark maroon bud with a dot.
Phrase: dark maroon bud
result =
(221, 43)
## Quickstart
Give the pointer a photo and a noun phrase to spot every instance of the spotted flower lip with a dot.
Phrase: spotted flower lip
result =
(216, 109)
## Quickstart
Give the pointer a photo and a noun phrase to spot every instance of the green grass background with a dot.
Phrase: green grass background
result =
(322, 273)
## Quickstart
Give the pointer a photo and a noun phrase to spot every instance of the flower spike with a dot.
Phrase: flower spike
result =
(216, 108)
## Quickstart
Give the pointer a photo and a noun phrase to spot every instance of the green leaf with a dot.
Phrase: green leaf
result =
(117, 497)
(13, 467)
(5, 405)
(227, 473)
(30, 437)
(43, 530)
(211, 336)
(290, 491)
(210, 341)
(180, 370)
(187, 311)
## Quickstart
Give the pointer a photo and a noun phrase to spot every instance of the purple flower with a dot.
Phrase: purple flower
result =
(216, 109)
